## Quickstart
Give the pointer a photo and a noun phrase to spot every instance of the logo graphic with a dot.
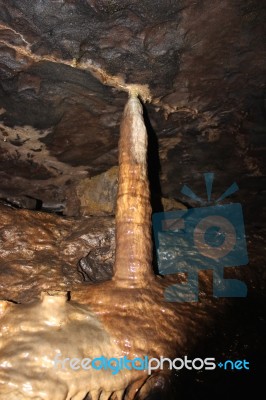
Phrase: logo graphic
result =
(204, 238)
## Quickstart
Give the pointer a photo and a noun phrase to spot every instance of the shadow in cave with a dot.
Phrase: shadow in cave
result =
(238, 336)
(154, 165)
(154, 169)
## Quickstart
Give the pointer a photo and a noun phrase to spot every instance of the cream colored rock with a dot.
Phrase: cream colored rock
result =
(36, 338)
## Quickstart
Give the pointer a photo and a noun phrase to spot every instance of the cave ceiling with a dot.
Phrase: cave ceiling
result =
(65, 66)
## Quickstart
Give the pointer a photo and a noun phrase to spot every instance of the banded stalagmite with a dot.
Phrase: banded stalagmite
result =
(133, 258)
(125, 316)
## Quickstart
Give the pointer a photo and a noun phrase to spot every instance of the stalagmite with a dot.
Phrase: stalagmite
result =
(133, 257)
(126, 316)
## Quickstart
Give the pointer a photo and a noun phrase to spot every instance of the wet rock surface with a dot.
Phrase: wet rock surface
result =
(42, 251)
